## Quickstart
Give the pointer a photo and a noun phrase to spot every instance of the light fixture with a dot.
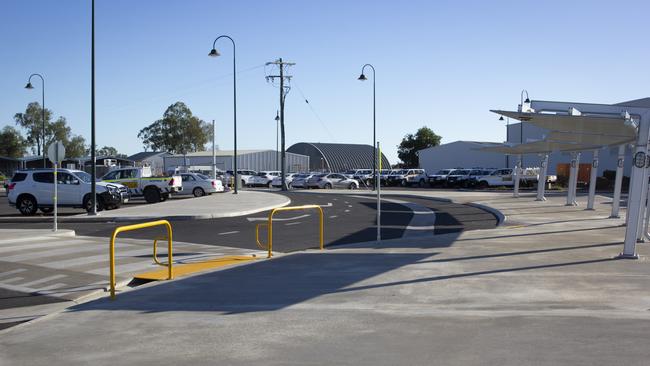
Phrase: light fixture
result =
(277, 117)
(29, 86)
(501, 118)
(214, 53)
(362, 77)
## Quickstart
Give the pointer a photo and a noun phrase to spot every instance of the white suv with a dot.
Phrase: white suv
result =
(31, 190)
(263, 179)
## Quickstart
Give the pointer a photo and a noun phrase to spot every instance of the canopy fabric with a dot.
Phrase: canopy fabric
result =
(539, 147)
(586, 124)
(589, 139)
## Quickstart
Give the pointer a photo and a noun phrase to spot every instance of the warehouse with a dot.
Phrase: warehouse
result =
(257, 160)
(337, 157)
(460, 154)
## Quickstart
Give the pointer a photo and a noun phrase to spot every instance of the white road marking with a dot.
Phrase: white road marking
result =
(43, 280)
(350, 206)
(228, 233)
(279, 219)
(329, 204)
(15, 279)
(346, 211)
(292, 223)
(333, 216)
(4, 274)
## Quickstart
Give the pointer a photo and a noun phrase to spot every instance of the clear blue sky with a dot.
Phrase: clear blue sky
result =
(442, 64)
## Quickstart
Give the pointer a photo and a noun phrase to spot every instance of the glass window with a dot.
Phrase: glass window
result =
(128, 174)
(84, 176)
(44, 177)
(18, 177)
(65, 178)
(110, 176)
(205, 177)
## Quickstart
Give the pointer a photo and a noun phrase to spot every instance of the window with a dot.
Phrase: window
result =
(187, 178)
(65, 178)
(44, 177)
(84, 176)
(128, 174)
(111, 176)
(18, 177)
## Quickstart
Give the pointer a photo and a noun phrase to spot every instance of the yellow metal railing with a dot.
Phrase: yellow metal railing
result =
(257, 235)
(121, 229)
(294, 208)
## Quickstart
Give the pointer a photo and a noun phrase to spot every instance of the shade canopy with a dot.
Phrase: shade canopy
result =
(539, 147)
(589, 139)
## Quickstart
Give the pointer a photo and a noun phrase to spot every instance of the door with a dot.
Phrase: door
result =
(69, 189)
(44, 188)
(337, 180)
(188, 183)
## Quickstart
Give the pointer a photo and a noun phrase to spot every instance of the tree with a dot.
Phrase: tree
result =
(110, 151)
(178, 132)
(12, 143)
(76, 147)
(32, 122)
(411, 144)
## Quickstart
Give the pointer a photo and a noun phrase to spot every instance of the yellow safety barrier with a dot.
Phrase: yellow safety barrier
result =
(121, 229)
(257, 235)
(294, 208)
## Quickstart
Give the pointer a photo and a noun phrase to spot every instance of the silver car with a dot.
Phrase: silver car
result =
(332, 180)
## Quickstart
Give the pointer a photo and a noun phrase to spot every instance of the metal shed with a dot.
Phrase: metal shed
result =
(337, 157)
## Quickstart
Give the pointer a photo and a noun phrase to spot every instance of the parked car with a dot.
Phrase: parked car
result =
(408, 177)
(476, 174)
(363, 176)
(32, 190)
(440, 178)
(277, 181)
(458, 178)
(263, 179)
(332, 180)
(244, 175)
(200, 185)
(384, 174)
(141, 182)
(499, 177)
(299, 181)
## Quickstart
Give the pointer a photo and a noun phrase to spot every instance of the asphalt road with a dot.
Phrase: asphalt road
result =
(348, 219)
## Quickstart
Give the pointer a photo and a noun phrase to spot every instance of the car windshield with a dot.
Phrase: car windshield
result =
(398, 172)
(461, 172)
(84, 176)
(203, 177)
(443, 172)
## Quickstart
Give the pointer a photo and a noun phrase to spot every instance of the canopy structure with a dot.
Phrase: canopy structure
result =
(539, 147)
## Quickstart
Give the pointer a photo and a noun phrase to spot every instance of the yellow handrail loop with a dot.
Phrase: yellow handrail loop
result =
(121, 229)
(294, 208)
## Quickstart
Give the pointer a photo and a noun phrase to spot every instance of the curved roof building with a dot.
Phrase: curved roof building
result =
(337, 157)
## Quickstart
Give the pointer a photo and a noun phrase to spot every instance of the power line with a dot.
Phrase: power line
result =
(314, 112)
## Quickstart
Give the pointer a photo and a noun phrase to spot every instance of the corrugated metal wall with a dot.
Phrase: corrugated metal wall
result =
(258, 161)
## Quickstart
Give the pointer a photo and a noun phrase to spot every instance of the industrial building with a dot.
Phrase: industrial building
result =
(337, 157)
(257, 160)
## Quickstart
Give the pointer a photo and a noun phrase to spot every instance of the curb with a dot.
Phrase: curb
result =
(62, 233)
(501, 218)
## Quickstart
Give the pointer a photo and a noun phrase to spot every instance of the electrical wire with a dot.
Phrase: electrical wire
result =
(314, 112)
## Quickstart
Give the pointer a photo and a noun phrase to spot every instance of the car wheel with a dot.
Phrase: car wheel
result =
(270, 185)
(243, 183)
(88, 203)
(483, 184)
(27, 205)
(198, 192)
(46, 210)
(152, 195)
(421, 183)
(352, 186)
(403, 183)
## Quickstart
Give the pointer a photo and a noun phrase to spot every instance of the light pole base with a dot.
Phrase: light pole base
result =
(614, 217)
(627, 256)
(590, 209)
(540, 199)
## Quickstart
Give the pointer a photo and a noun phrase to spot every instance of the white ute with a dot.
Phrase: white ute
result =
(141, 182)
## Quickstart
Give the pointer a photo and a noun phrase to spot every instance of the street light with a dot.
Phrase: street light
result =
(215, 53)
(29, 86)
(362, 77)
(507, 138)
(277, 141)
(521, 124)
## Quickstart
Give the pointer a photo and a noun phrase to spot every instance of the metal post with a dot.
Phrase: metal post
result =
(56, 191)
(283, 171)
(592, 182)
(43, 117)
(93, 147)
(636, 186)
(374, 121)
(573, 180)
(378, 194)
(618, 183)
(541, 180)
(516, 172)
(644, 203)
(214, 153)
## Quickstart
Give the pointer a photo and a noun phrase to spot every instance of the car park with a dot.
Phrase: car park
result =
(408, 177)
(475, 174)
(245, 175)
(32, 190)
(384, 174)
(288, 178)
(200, 185)
(363, 176)
(299, 181)
(440, 178)
(458, 178)
(331, 180)
(263, 178)
(141, 182)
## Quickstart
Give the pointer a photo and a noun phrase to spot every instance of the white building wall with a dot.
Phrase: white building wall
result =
(258, 161)
(458, 154)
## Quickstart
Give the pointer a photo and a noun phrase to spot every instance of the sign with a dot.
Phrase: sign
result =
(639, 159)
(56, 152)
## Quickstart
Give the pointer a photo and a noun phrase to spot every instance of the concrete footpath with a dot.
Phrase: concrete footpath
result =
(542, 289)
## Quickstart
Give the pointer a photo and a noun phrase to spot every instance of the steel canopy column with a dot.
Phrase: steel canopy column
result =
(516, 173)
(573, 180)
(644, 202)
(541, 180)
(592, 181)
(636, 186)
(618, 183)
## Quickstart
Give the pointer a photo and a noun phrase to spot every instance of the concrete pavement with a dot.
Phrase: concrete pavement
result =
(543, 289)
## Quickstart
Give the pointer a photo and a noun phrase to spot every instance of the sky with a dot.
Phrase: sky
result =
(441, 64)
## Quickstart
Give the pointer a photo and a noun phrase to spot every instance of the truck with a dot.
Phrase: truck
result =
(504, 177)
(141, 182)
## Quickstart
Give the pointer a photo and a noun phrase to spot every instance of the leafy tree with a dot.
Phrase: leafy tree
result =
(12, 143)
(411, 144)
(177, 132)
(32, 122)
(110, 151)
(76, 147)
(58, 131)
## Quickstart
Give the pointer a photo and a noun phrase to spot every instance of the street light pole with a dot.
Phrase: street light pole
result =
(277, 138)
(214, 53)
(507, 138)
(93, 158)
(29, 86)
(362, 77)
(214, 154)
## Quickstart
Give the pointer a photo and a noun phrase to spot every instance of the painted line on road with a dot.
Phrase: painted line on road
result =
(346, 211)
(293, 223)
(8, 273)
(333, 216)
(228, 232)
(43, 280)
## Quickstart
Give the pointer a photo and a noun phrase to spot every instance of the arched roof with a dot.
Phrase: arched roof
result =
(337, 157)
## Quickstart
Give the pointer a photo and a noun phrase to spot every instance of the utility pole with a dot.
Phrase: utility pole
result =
(284, 90)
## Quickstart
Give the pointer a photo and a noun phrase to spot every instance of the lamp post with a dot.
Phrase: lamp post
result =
(362, 77)
(507, 138)
(521, 123)
(29, 86)
(93, 147)
(214, 53)
(277, 139)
